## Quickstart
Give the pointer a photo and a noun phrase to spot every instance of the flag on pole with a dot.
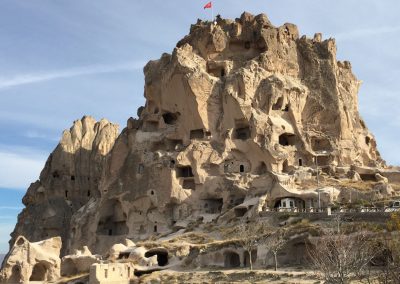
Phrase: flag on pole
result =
(208, 5)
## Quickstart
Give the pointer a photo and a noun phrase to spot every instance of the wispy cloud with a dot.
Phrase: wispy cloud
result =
(23, 79)
(366, 32)
(18, 170)
(33, 134)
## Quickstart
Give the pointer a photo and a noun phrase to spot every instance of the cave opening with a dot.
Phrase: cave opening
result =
(170, 118)
(232, 259)
(287, 139)
(184, 171)
(39, 272)
(162, 256)
(197, 134)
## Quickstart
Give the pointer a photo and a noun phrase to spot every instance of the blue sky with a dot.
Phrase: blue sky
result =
(60, 60)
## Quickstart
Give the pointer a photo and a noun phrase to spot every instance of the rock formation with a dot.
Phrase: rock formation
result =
(70, 178)
(27, 261)
(236, 118)
(236, 110)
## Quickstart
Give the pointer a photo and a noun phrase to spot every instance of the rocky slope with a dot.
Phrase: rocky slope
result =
(237, 118)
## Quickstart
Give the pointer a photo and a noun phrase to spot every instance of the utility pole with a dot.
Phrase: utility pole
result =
(316, 163)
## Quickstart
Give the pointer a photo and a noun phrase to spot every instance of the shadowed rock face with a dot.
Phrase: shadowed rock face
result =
(69, 179)
(237, 109)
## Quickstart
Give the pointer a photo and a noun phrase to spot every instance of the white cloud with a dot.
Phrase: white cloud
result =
(39, 135)
(19, 171)
(24, 79)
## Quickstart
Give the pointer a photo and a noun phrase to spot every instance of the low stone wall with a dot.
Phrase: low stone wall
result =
(346, 216)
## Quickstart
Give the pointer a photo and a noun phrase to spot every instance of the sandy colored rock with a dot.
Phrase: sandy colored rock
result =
(79, 262)
(242, 118)
(26, 261)
(70, 179)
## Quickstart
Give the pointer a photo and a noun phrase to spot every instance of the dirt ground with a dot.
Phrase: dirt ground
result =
(243, 276)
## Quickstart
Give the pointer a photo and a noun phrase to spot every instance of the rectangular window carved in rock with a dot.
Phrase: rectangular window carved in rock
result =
(185, 171)
(197, 134)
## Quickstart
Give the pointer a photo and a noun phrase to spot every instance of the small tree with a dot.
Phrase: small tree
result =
(274, 242)
(389, 260)
(340, 257)
(248, 236)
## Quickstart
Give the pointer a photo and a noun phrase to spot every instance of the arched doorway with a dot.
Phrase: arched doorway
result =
(15, 274)
(162, 255)
(39, 272)
(232, 259)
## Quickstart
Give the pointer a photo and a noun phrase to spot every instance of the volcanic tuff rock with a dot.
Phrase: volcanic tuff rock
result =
(69, 180)
(238, 113)
(32, 261)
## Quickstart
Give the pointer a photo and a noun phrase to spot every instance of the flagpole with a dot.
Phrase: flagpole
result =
(212, 12)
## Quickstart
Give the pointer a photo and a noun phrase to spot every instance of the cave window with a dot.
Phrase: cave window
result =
(110, 232)
(222, 72)
(140, 168)
(172, 164)
(56, 174)
(286, 108)
(185, 171)
(300, 162)
(367, 140)
(241, 168)
(66, 194)
(170, 118)
(240, 212)
(197, 134)
(155, 228)
(88, 193)
(287, 139)
(247, 45)
(242, 133)
(20, 242)
(152, 192)
(285, 167)
(72, 177)
(278, 104)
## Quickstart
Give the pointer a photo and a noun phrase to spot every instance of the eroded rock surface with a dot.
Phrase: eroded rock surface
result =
(233, 113)
(39, 261)
(237, 119)
(69, 180)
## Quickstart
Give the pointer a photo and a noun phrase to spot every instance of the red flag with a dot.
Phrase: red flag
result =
(208, 5)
